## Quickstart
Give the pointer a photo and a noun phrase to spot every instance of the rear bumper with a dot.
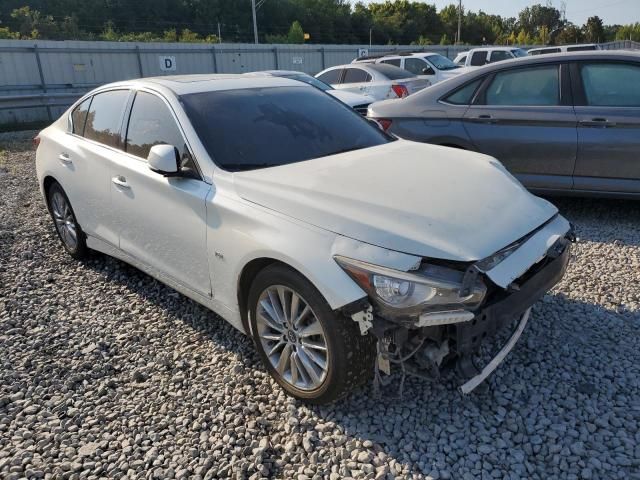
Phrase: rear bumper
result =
(504, 310)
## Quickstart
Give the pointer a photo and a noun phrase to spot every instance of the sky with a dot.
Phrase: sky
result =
(611, 11)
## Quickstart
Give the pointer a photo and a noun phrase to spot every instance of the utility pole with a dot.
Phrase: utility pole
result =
(219, 34)
(459, 40)
(370, 31)
(255, 23)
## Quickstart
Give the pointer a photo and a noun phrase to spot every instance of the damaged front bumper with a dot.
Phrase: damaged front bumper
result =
(454, 336)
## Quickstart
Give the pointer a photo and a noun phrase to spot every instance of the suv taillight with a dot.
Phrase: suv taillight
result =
(36, 141)
(385, 123)
(400, 90)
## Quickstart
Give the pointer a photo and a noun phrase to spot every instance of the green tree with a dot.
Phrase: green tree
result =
(569, 34)
(593, 30)
(296, 33)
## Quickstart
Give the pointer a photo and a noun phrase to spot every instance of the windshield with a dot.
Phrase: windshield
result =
(441, 62)
(252, 128)
(518, 52)
(303, 77)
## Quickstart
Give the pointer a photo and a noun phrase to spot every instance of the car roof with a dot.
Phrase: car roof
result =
(197, 83)
(442, 88)
(276, 73)
(495, 49)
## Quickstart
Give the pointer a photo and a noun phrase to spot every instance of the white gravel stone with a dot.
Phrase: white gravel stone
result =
(106, 373)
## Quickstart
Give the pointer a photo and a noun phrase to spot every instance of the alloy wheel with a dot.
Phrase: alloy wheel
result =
(64, 220)
(292, 337)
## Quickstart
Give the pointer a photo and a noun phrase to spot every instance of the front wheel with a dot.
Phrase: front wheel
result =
(314, 353)
(70, 233)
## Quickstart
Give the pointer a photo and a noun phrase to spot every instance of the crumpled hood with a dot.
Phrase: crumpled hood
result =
(409, 197)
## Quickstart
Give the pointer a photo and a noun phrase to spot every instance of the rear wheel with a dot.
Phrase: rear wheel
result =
(69, 232)
(314, 353)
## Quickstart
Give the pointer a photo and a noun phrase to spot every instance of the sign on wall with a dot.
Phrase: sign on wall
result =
(363, 52)
(167, 64)
(297, 60)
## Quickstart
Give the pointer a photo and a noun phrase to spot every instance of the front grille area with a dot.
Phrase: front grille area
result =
(362, 109)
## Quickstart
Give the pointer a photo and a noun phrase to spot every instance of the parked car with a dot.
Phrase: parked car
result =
(478, 57)
(378, 81)
(358, 102)
(562, 123)
(564, 48)
(461, 59)
(335, 246)
(431, 66)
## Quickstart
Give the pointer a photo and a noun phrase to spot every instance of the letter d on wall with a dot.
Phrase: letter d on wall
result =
(167, 64)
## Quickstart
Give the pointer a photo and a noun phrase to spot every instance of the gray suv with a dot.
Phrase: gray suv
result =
(566, 123)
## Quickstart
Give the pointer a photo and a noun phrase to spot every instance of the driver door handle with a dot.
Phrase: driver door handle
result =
(484, 119)
(597, 122)
(120, 181)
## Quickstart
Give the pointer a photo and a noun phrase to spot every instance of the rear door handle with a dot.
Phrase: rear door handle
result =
(597, 122)
(120, 181)
(65, 159)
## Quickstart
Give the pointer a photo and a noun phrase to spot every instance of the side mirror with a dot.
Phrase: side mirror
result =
(428, 71)
(163, 159)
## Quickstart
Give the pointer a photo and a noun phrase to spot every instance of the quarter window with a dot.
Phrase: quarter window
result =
(331, 77)
(152, 123)
(538, 86)
(463, 95)
(105, 116)
(356, 75)
(79, 116)
(611, 84)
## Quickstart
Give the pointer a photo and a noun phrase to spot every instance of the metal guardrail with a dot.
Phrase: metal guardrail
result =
(13, 102)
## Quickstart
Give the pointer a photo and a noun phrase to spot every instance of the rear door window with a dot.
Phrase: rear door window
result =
(331, 77)
(79, 116)
(611, 84)
(479, 58)
(105, 117)
(539, 86)
(355, 75)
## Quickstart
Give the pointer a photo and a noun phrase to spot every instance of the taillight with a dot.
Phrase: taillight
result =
(385, 123)
(36, 141)
(400, 90)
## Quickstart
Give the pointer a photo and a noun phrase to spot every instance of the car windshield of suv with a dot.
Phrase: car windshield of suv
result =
(253, 128)
(441, 62)
(391, 72)
(518, 52)
(310, 80)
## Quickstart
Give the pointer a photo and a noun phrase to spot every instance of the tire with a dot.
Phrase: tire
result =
(69, 232)
(348, 358)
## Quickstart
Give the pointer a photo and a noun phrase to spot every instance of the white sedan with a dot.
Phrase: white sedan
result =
(376, 80)
(340, 250)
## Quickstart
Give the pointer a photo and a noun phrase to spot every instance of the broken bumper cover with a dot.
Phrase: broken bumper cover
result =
(497, 315)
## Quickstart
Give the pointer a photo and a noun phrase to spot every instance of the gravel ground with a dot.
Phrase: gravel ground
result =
(107, 373)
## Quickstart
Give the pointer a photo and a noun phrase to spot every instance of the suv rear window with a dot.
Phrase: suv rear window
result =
(391, 72)
(246, 129)
(479, 58)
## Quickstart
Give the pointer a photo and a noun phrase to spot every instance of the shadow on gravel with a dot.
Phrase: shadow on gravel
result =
(602, 219)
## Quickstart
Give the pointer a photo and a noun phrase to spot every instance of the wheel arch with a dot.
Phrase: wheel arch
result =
(245, 280)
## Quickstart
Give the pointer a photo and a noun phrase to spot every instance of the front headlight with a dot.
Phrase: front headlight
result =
(430, 288)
